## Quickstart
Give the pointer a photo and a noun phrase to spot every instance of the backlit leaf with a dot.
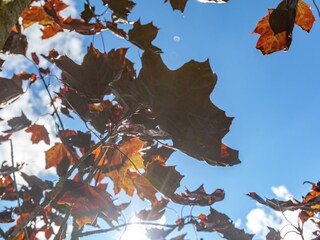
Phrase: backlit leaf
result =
(39, 133)
(180, 101)
(120, 9)
(143, 35)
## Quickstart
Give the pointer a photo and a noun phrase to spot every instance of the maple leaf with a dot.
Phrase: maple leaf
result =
(273, 234)
(156, 212)
(16, 43)
(180, 102)
(199, 197)
(221, 223)
(87, 13)
(59, 157)
(129, 158)
(276, 28)
(143, 186)
(6, 217)
(96, 71)
(143, 35)
(166, 179)
(10, 90)
(120, 9)
(18, 123)
(7, 189)
(87, 202)
(178, 4)
(39, 133)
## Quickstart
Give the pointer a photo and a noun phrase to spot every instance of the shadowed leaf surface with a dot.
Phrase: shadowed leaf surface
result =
(18, 123)
(16, 44)
(221, 223)
(199, 197)
(155, 213)
(178, 4)
(180, 101)
(96, 71)
(273, 234)
(120, 9)
(10, 90)
(166, 179)
(87, 202)
(142, 35)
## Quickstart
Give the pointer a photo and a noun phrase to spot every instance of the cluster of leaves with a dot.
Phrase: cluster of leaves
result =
(308, 209)
(132, 116)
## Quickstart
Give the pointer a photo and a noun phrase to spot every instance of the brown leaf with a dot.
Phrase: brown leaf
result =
(87, 202)
(221, 223)
(16, 44)
(59, 157)
(39, 133)
(144, 187)
(6, 217)
(199, 197)
(165, 179)
(95, 73)
(35, 58)
(88, 13)
(120, 9)
(178, 4)
(143, 35)
(273, 234)
(156, 212)
(180, 101)
(18, 123)
(10, 90)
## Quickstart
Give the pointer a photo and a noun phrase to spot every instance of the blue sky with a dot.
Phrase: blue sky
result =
(274, 99)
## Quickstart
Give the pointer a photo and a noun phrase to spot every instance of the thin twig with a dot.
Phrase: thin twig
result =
(16, 188)
(127, 224)
(3, 234)
(315, 4)
(64, 224)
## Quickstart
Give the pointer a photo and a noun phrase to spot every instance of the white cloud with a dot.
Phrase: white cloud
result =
(261, 217)
(281, 192)
(24, 151)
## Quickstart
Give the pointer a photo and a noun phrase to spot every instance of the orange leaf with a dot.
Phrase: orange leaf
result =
(269, 42)
(59, 157)
(304, 17)
(39, 132)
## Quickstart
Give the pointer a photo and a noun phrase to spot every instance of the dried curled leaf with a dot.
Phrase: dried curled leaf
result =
(199, 197)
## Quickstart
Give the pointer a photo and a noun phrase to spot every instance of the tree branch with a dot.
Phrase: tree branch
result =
(10, 11)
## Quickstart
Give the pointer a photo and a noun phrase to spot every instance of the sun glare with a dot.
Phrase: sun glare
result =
(134, 232)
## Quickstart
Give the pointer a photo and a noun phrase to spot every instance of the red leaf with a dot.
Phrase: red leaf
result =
(39, 133)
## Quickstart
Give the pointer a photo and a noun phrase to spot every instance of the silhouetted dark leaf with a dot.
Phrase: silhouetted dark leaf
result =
(88, 13)
(273, 234)
(120, 9)
(10, 90)
(7, 170)
(95, 73)
(18, 123)
(6, 217)
(16, 44)
(199, 197)
(165, 179)
(221, 223)
(180, 101)
(178, 4)
(155, 213)
(143, 35)
(158, 233)
(35, 58)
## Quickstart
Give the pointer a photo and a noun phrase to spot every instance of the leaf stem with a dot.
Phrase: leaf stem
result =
(16, 188)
